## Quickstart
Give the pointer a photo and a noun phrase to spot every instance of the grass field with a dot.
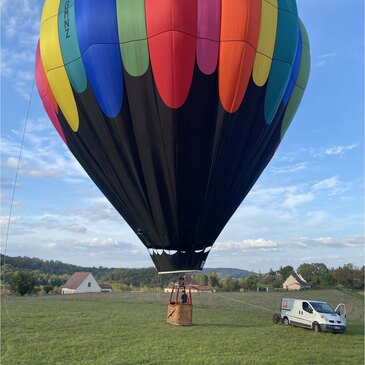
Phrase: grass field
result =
(130, 328)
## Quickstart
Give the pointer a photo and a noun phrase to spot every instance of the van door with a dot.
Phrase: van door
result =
(341, 311)
(307, 314)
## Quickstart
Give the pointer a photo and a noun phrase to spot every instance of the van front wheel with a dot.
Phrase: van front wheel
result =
(286, 321)
(316, 327)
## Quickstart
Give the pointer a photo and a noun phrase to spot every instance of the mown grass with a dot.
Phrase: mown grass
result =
(131, 328)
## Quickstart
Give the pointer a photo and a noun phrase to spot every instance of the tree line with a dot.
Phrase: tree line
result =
(318, 275)
(24, 275)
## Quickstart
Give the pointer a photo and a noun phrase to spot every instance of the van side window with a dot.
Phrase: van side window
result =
(306, 307)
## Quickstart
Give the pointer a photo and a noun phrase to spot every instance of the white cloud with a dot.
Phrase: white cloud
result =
(301, 166)
(95, 209)
(43, 154)
(324, 59)
(4, 220)
(316, 218)
(317, 242)
(102, 242)
(51, 245)
(108, 246)
(316, 152)
(329, 183)
(11, 163)
(292, 201)
(12, 61)
(332, 186)
(6, 184)
(249, 244)
(262, 195)
(76, 228)
(20, 21)
(322, 258)
(339, 150)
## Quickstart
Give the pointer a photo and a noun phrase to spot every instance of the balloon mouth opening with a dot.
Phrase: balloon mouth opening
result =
(174, 261)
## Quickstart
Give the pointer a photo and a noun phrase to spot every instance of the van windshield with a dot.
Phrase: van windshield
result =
(322, 307)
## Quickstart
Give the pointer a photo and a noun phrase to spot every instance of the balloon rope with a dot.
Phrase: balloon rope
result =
(241, 301)
(12, 199)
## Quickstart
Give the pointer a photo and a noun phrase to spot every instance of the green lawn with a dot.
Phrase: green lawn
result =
(131, 328)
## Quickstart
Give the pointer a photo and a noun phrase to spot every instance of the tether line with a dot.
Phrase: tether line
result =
(13, 196)
(241, 301)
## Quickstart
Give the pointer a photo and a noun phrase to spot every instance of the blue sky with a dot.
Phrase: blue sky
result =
(308, 205)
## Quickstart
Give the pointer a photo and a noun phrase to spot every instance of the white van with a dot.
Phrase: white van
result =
(313, 314)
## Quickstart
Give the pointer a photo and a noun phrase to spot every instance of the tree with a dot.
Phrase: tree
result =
(213, 279)
(350, 277)
(328, 280)
(23, 283)
(312, 273)
(47, 288)
(286, 271)
(229, 284)
(201, 279)
(251, 282)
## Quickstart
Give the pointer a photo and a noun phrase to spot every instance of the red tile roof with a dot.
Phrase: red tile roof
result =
(76, 280)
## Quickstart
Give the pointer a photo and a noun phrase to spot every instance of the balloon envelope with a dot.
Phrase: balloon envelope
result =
(173, 107)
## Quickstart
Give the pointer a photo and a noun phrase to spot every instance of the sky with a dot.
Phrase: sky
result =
(307, 206)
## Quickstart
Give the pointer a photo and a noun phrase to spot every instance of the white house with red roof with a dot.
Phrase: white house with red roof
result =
(81, 282)
(295, 282)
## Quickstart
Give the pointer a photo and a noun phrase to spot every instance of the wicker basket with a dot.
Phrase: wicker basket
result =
(180, 314)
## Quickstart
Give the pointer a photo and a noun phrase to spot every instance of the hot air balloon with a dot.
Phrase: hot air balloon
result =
(173, 107)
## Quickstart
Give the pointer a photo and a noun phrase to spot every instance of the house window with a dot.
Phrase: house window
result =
(89, 284)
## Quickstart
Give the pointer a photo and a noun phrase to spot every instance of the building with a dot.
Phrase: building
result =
(81, 282)
(295, 282)
(194, 287)
(106, 288)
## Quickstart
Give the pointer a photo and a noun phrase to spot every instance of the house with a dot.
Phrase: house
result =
(106, 288)
(295, 282)
(194, 287)
(81, 282)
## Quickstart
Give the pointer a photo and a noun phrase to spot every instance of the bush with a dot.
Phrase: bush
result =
(47, 288)
(22, 283)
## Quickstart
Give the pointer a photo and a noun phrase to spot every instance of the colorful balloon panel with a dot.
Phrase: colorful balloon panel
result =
(171, 31)
(133, 36)
(54, 65)
(46, 95)
(173, 107)
(70, 46)
(266, 43)
(208, 29)
(240, 25)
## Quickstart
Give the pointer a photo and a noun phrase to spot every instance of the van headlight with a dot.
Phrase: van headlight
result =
(324, 318)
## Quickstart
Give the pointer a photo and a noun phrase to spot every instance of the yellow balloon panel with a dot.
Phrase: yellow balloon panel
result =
(54, 65)
(266, 44)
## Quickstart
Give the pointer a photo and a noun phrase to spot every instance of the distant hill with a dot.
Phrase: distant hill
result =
(49, 266)
(59, 268)
(224, 272)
